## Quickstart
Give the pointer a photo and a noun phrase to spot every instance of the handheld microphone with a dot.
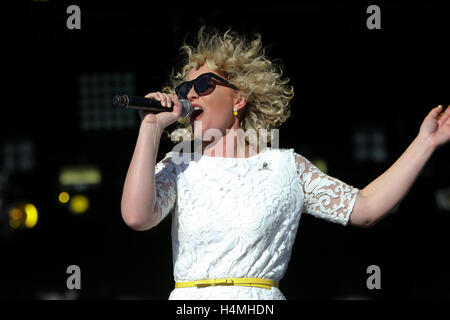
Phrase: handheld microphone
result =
(150, 105)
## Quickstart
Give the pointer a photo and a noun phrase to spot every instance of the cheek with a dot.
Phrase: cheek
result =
(218, 112)
(220, 118)
(221, 113)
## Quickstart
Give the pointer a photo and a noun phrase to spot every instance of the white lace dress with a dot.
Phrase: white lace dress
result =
(238, 217)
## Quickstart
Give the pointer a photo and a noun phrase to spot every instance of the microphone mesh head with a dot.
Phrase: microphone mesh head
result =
(187, 108)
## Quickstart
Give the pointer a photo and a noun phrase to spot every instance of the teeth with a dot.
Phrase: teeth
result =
(196, 108)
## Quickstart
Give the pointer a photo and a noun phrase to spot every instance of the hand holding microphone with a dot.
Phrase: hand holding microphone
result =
(156, 108)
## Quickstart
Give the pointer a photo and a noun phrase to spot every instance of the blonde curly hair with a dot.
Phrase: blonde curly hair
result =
(246, 66)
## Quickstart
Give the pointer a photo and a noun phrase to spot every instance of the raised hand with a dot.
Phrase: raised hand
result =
(435, 127)
(162, 119)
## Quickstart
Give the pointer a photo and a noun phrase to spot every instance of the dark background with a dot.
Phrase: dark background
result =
(346, 77)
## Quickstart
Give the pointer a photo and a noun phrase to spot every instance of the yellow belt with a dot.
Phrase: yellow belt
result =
(250, 282)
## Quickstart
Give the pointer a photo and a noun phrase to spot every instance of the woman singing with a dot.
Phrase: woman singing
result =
(236, 207)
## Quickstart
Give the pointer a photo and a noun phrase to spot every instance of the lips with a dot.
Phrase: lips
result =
(197, 113)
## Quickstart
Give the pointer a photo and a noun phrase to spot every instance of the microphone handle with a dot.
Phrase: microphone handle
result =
(145, 104)
(150, 109)
(150, 105)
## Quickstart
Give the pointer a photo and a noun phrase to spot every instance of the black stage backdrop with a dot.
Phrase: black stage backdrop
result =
(349, 82)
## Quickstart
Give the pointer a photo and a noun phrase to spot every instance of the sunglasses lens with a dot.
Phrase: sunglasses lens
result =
(183, 90)
(204, 85)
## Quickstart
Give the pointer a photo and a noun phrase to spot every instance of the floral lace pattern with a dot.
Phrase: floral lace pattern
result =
(325, 197)
(165, 180)
(238, 217)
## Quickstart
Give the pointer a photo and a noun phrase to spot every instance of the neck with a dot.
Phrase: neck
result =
(231, 145)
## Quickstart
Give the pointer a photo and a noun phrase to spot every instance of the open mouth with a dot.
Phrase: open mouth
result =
(196, 114)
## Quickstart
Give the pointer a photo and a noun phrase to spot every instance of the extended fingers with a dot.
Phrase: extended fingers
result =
(443, 116)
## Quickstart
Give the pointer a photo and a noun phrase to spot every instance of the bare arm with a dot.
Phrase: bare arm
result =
(378, 198)
(139, 207)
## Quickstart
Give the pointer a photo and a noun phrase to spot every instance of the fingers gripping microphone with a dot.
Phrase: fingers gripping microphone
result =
(150, 105)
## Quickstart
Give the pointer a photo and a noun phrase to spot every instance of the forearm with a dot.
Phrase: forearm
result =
(139, 191)
(386, 192)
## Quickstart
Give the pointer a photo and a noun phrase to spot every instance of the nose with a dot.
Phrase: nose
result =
(192, 94)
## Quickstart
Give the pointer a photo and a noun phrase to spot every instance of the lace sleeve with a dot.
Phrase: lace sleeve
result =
(325, 197)
(166, 182)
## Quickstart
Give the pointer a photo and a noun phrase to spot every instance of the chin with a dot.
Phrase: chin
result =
(202, 129)
(198, 130)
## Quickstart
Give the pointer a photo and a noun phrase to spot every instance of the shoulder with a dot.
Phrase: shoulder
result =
(284, 157)
(280, 151)
(289, 153)
(175, 158)
(169, 162)
(167, 159)
(301, 163)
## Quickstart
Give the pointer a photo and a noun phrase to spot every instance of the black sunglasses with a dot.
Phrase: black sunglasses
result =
(203, 85)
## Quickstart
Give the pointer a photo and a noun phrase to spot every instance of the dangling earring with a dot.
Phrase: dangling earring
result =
(235, 112)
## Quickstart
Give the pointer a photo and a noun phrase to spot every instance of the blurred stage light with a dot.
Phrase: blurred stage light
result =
(96, 93)
(79, 177)
(321, 164)
(442, 197)
(31, 215)
(63, 197)
(15, 214)
(369, 145)
(16, 217)
(13, 223)
(23, 215)
(18, 155)
(79, 204)
(52, 295)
